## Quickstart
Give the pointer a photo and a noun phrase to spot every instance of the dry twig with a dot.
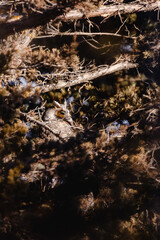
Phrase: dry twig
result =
(53, 34)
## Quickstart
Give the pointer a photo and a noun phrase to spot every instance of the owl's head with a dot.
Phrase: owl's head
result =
(60, 111)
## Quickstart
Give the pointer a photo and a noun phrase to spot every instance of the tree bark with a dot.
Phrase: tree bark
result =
(111, 10)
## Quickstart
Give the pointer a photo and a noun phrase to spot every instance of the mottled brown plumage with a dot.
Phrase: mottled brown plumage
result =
(60, 121)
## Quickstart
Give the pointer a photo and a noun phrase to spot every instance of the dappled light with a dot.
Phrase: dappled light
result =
(79, 120)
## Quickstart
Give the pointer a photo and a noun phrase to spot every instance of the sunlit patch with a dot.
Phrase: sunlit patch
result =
(117, 129)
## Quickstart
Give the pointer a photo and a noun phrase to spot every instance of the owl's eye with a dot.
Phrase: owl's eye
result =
(60, 113)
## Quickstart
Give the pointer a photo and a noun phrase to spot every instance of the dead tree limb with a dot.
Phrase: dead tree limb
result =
(111, 10)
(89, 75)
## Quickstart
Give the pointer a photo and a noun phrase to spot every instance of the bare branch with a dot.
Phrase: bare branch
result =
(111, 10)
(89, 75)
(53, 34)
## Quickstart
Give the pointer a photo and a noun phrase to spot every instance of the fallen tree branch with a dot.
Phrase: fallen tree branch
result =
(88, 75)
(111, 10)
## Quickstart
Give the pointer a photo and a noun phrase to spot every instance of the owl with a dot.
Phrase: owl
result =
(60, 121)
